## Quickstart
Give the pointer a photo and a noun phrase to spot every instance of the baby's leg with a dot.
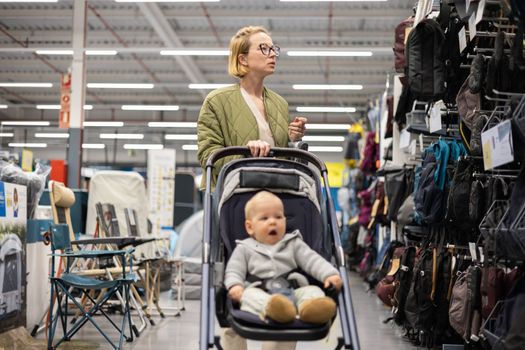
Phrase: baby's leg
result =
(313, 305)
(277, 307)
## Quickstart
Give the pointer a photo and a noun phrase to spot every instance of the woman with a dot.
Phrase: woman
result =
(246, 113)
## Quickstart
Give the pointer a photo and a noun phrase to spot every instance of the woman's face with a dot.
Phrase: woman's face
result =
(256, 61)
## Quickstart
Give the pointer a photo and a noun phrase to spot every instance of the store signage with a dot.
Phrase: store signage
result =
(65, 101)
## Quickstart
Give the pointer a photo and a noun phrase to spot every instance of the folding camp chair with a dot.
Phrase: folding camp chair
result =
(66, 285)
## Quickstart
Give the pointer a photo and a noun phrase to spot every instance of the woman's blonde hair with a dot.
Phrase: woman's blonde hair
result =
(240, 44)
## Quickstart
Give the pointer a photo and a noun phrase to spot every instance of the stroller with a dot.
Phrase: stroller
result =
(307, 208)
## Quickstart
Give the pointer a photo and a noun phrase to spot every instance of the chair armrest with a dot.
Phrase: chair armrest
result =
(94, 253)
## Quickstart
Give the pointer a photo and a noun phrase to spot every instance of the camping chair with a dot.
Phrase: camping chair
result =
(68, 283)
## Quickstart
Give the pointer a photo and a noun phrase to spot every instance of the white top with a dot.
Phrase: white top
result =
(265, 134)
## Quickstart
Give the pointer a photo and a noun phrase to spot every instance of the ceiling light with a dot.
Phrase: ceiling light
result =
(333, 0)
(101, 52)
(189, 147)
(150, 107)
(30, 145)
(207, 86)
(167, 0)
(3, 106)
(195, 52)
(122, 136)
(172, 124)
(142, 146)
(119, 86)
(86, 107)
(330, 53)
(6, 134)
(52, 135)
(28, 0)
(105, 124)
(37, 85)
(26, 123)
(326, 109)
(327, 126)
(324, 138)
(186, 137)
(93, 146)
(326, 87)
(54, 52)
(325, 149)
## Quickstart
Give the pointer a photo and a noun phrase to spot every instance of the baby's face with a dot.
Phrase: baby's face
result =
(267, 223)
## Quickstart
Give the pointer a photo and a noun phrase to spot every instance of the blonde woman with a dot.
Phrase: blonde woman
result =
(247, 113)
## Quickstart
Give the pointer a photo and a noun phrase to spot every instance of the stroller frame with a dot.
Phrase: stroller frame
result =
(207, 337)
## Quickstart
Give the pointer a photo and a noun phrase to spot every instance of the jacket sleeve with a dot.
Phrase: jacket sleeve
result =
(237, 268)
(312, 263)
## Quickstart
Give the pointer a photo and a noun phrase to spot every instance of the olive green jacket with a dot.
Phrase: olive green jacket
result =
(226, 120)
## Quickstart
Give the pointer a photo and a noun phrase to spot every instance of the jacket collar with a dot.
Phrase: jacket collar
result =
(252, 244)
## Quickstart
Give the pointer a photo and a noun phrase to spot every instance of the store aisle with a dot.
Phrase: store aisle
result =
(181, 333)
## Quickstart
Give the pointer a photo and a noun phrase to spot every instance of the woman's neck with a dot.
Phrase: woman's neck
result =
(253, 86)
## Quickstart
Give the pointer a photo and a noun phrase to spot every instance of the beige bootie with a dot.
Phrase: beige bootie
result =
(280, 309)
(318, 310)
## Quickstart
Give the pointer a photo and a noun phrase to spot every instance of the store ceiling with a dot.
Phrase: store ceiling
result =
(138, 31)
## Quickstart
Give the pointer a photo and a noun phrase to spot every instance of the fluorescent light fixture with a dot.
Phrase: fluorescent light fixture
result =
(207, 86)
(52, 135)
(119, 86)
(86, 107)
(105, 124)
(37, 85)
(329, 53)
(28, 0)
(333, 0)
(324, 138)
(172, 124)
(26, 123)
(189, 147)
(326, 87)
(6, 134)
(3, 106)
(167, 0)
(327, 126)
(29, 145)
(150, 107)
(326, 109)
(184, 137)
(122, 136)
(54, 52)
(142, 146)
(325, 149)
(101, 52)
(195, 52)
(93, 146)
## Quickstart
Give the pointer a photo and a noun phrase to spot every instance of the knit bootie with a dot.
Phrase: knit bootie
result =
(318, 310)
(280, 309)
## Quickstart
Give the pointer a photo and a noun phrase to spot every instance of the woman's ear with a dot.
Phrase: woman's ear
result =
(243, 60)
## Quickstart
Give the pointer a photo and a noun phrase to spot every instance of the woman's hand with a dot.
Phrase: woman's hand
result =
(259, 148)
(333, 280)
(235, 293)
(296, 129)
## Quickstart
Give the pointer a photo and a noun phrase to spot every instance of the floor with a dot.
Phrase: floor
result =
(181, 333)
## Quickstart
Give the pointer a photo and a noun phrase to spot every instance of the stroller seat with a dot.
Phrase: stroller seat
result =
(307, 208)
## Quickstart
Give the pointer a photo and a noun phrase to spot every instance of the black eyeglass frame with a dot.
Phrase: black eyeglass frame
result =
(276, 49)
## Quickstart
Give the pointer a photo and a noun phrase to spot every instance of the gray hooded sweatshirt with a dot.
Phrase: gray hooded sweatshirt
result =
(265, 261)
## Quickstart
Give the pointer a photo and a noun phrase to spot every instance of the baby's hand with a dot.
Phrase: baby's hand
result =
(235, 293)
(333, 280)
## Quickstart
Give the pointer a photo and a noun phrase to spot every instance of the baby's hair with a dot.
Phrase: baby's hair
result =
(257, 198)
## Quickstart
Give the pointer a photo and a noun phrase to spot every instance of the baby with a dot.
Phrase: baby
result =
(270, 255)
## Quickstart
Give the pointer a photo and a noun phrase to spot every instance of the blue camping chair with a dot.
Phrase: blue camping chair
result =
(68, 285)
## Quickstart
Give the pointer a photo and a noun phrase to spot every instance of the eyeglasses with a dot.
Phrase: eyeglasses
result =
(265, 49)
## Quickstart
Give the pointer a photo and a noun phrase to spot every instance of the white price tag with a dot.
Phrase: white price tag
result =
(472, 26)
(404, 139)
(435, 116)
(497, 145)
(462, 39)
(479, 11)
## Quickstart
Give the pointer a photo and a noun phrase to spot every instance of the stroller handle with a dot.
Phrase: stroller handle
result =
(274, 152)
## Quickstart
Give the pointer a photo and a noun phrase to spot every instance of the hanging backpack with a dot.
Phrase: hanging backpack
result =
(425, 68)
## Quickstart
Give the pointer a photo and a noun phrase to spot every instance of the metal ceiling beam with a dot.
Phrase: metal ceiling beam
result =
(164, 30)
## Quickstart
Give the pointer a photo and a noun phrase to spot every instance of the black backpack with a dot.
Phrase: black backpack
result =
(459, 194)
(425, 67)
(404, 280)
(429, 199)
